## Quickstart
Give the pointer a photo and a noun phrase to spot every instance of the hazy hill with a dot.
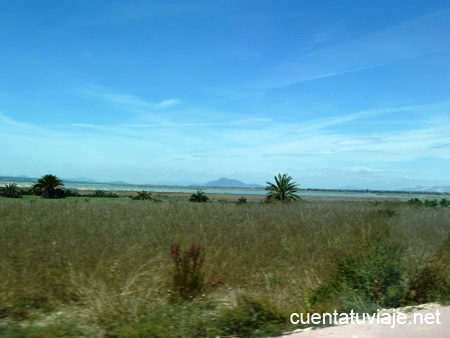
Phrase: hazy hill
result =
(443, 188)
(230, 183)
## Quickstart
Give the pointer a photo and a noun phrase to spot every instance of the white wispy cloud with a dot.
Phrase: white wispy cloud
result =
(118, 98)
(136, 150)
(410, 39)
(126, 101)
(167, 103)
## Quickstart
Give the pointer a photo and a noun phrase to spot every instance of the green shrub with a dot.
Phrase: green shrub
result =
(60, 193)
(28, 192)
(372, 279)
(444, 202)
(251, 318)
(431, 203)
(102, 194)
(415, 201)
(72, 193)
(431, 283)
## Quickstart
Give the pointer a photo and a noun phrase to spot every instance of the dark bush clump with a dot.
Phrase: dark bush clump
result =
(199, 197)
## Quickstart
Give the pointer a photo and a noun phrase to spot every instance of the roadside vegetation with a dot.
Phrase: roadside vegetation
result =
(429, 203)
(121, 268)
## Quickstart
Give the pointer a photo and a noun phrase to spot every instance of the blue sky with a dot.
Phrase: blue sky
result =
(334, 93)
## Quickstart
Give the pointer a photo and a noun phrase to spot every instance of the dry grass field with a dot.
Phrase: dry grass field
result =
(86, 267)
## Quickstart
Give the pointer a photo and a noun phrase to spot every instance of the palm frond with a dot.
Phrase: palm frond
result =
(282, 190)
(10, 190)
(47, 186)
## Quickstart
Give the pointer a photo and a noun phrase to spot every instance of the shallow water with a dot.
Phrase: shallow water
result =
(244, 191)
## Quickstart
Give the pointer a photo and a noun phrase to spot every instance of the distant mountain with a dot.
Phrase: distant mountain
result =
(21, 178)
(442, 188)
(230, 183)
(91, 180)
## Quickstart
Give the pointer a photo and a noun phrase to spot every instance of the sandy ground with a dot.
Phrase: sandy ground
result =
(438, 327)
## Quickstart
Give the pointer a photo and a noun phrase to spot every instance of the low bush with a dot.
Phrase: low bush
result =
(372, 279)
(72, 193)
(431, 282)
(415, 201)
(102, 194)
(444, 202)
(430, 203)
(251, 318)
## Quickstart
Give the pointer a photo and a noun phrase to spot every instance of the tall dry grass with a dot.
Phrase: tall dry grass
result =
(103, 268)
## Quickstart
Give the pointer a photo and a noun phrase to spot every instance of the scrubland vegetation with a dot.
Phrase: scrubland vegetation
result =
(128, 268)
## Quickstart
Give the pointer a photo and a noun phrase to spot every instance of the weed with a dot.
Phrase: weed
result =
(188, 275)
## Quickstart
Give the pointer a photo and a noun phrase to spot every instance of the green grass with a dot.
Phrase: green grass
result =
(103, 267)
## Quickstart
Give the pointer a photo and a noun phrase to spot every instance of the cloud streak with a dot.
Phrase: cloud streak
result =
(408, 40)
(201, 150)
(127, 102)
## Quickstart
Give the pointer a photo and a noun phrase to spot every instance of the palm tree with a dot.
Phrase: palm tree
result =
(199, 197)
(48, 186)
(10, 190)
(242, 200)
(283, 189)
(143, 195)
(99, 193)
